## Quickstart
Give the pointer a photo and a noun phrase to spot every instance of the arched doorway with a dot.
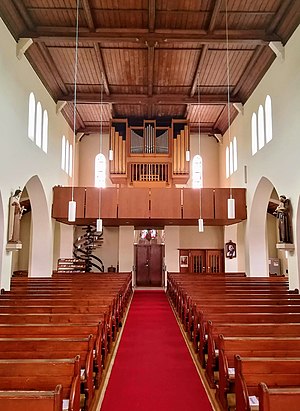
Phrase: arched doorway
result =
(40, 238)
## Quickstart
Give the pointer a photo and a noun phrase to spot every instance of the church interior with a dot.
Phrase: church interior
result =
(149, 205)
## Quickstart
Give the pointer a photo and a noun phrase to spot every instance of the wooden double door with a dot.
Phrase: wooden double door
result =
(148, 262)
(201, 261)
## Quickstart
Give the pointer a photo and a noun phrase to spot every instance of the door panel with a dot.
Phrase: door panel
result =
(149, 265)
(197, 261)
(142, 265)
(214, 261)
(155, 267)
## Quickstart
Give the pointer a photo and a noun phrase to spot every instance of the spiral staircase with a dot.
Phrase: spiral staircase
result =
(84, 246)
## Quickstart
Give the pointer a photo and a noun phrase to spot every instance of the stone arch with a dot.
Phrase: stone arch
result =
(257, 238)
(40, 255)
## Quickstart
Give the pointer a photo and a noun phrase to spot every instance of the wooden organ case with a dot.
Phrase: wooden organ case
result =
(149, 154)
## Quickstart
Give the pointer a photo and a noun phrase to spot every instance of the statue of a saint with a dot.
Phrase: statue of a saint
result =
(16, 212)
(282, 213)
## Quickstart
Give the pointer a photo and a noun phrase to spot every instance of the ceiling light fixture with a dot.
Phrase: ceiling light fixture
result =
(72, 203)
(231, 200)
(200, 220)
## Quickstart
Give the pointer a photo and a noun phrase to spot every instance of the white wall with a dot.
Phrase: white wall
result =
(277, 161)
(20, 158)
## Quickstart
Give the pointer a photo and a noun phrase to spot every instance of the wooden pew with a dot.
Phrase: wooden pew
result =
(274, 399)
(32, 400)
(279, 346)
(43, 375)
(62, 331)
(55, 348)
(274, 372)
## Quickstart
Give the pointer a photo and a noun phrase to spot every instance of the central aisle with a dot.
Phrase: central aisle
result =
(153, 369)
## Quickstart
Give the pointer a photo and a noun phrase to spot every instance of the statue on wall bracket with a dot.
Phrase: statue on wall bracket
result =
(282, 213)
(15, 214)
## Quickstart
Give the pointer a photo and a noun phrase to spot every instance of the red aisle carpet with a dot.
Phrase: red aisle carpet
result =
(153, 370)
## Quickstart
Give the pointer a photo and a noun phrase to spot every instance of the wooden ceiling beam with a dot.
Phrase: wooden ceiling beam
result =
(142, 36)
(99, 57)
(200, 63)
(283, 8)
(144, 99)
(214, 15)
(151, 15)
(88, 14)
(19, 5)
(247, 72)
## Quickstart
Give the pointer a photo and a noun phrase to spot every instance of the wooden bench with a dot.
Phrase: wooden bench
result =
(55, 348)
(274, 399)
(288, 347)
(43, 375)
(62, 331)
(274, 372)
(32, 400)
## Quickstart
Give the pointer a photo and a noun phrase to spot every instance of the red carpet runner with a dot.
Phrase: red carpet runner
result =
(153, 369)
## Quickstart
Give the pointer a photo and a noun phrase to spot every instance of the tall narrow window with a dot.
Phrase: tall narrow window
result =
(197, 170)
(268, 117)
(230, 158)
(70, 160)
(254, 133)
(100, 170)
(45, 132)
(227, 162)
(31, 116)
(261, 127)
(67, 156)
(63, 152)
(234, 154)
(38, 125)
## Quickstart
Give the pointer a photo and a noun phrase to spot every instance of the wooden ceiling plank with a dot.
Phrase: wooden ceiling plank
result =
(151, 15)
(51, 64)
(150, 69)
(88, 14)
(24, 14)
(200, 63)
(99, 57)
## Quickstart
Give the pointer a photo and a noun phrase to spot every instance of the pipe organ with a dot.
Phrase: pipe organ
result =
(149, 154)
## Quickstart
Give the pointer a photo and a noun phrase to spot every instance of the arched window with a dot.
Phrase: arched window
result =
(268, 117)
(230, 158)
(70, 160)
(227, 162)
(63, 152)
(100, 170)
(254, 133)
(45, 132)
(38, 125)
(67, 156)
(197, 170)
(261, 127)
(234, 154)
(31, 116)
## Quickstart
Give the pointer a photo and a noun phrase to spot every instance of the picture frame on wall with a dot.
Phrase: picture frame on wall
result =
(230, 249)
(184, 261)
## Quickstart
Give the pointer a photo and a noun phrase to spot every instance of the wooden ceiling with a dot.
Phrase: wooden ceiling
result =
(149, 55)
